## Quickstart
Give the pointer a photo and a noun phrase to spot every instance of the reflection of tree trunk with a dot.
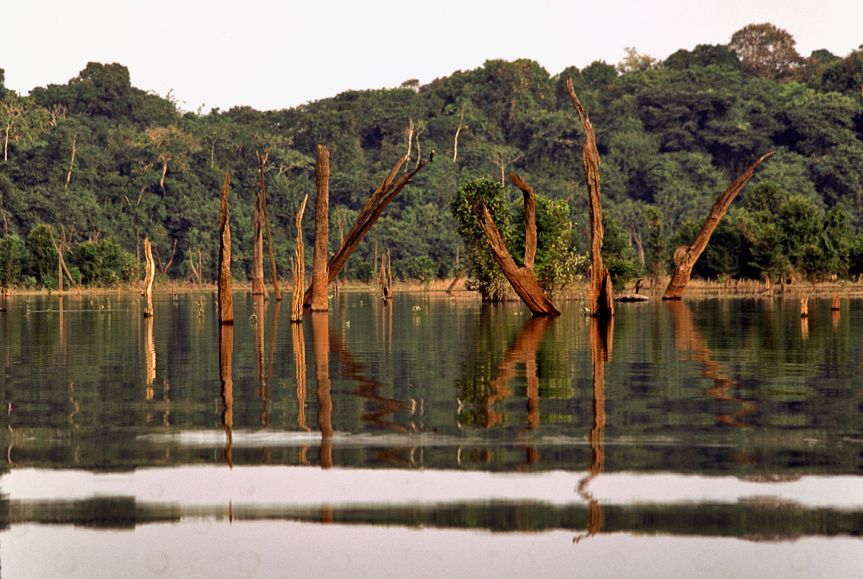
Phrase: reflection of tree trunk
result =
(686, 257)
(601, 293)
(298, 267)
(688, 339)
(259, 309)
(226, 352)
(523, 350)
(374, 206)
(299, 343)
(150, 354)
(522, 279)
(149, 277)
(601, 342)
(320, 282)
(321, 339)
(226, 300)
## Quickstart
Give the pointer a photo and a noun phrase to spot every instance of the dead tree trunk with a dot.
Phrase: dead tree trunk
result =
(258, 286)
(149, 278)
(299, 267)
(226, 299)
(522, 279)
(61, 262)
(374, 206)
(601, 295)
(320, 278)
(455, 138)
(71, 162)
(686, 257)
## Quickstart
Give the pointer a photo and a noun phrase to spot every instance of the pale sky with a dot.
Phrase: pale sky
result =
(271, 55)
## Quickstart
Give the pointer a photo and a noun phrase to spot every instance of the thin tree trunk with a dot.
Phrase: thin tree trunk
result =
(686, 257)
(149, 279)
(226, 299)
(72, 162)
(299, 267)
(374, 206)
(258, 287)
(164, 173)
(455, 139)
(522, 279)
(274, 272)
(459, 276)
(601, 295)
(320, 276)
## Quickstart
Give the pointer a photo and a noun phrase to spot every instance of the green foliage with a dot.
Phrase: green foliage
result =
(13, 257)
(102, 262)
(766, 51)
(43, 257)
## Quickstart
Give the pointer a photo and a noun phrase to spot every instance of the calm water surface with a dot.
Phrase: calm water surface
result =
(430, 437)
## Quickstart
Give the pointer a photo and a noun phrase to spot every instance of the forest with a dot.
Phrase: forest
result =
(96, 165)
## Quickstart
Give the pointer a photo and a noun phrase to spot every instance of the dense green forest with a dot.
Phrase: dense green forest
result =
(104, 164)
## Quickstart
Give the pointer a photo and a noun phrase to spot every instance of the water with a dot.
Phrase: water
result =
(430, 437)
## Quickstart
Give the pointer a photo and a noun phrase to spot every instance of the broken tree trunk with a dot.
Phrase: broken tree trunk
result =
(522, 279)
(374, 206)
(299, 267)
(601, 294)
(226, 300)
(258, 286)
(320, 279)
(262, 186)
(686, 257)
(149, 278)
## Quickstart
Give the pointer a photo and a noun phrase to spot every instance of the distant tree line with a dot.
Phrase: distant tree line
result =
(111, 164)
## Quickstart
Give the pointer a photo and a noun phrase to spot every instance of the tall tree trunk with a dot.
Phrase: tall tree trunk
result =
(149, 278)
(258, 287)
(274, 272)
(71, 162)
(226, 299)
(523, 279)
(320, 276)
(455, 139)
(374, 206)
(299, 267)
(686, 257)
(601, 294)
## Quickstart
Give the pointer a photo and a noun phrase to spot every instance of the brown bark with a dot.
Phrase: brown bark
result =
(150, 353)
(226, 300)
(601, 295)
(686, 257)
(258, 285)
(374, 206)
(522, 279)
(299, 267)
(149, 278)
(274, 271)
(459, 276)
(61, 262)
(299, 344)
(320, 278)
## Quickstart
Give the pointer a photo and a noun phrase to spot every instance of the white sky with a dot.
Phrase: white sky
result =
(270, 54)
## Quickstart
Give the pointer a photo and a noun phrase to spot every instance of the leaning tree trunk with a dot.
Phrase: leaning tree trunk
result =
(522, 279)
(320, 279)
(374, 206)
(149, 277)
(601, 295)
(686, 257)
(226, 300)
(299, 267)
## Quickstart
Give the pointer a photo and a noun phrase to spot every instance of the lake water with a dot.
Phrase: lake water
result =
(430, 437)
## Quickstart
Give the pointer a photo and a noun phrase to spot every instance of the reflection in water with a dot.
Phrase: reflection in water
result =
(688, 339)
(804, 327)
(150, 354)
(601, 343)
(321, 340)
(226, 353)
(299, 344)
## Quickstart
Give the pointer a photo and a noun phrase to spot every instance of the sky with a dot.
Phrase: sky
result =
(271, 54)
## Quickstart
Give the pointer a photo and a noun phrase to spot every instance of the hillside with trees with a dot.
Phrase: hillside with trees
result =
(98, 165)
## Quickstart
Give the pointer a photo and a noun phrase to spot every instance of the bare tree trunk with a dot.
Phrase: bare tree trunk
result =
(455, 139)
(374, 206)
(61, 262)
(601, 295)
(686, 257)
(522, 279)
(149, 278)
(320, 278)
(389, 274)
(258, 287)
(226, 299)
(6, 142)
(72, 162)
(274, 271)
(459, 276)
(164, 172)
(299, 267)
